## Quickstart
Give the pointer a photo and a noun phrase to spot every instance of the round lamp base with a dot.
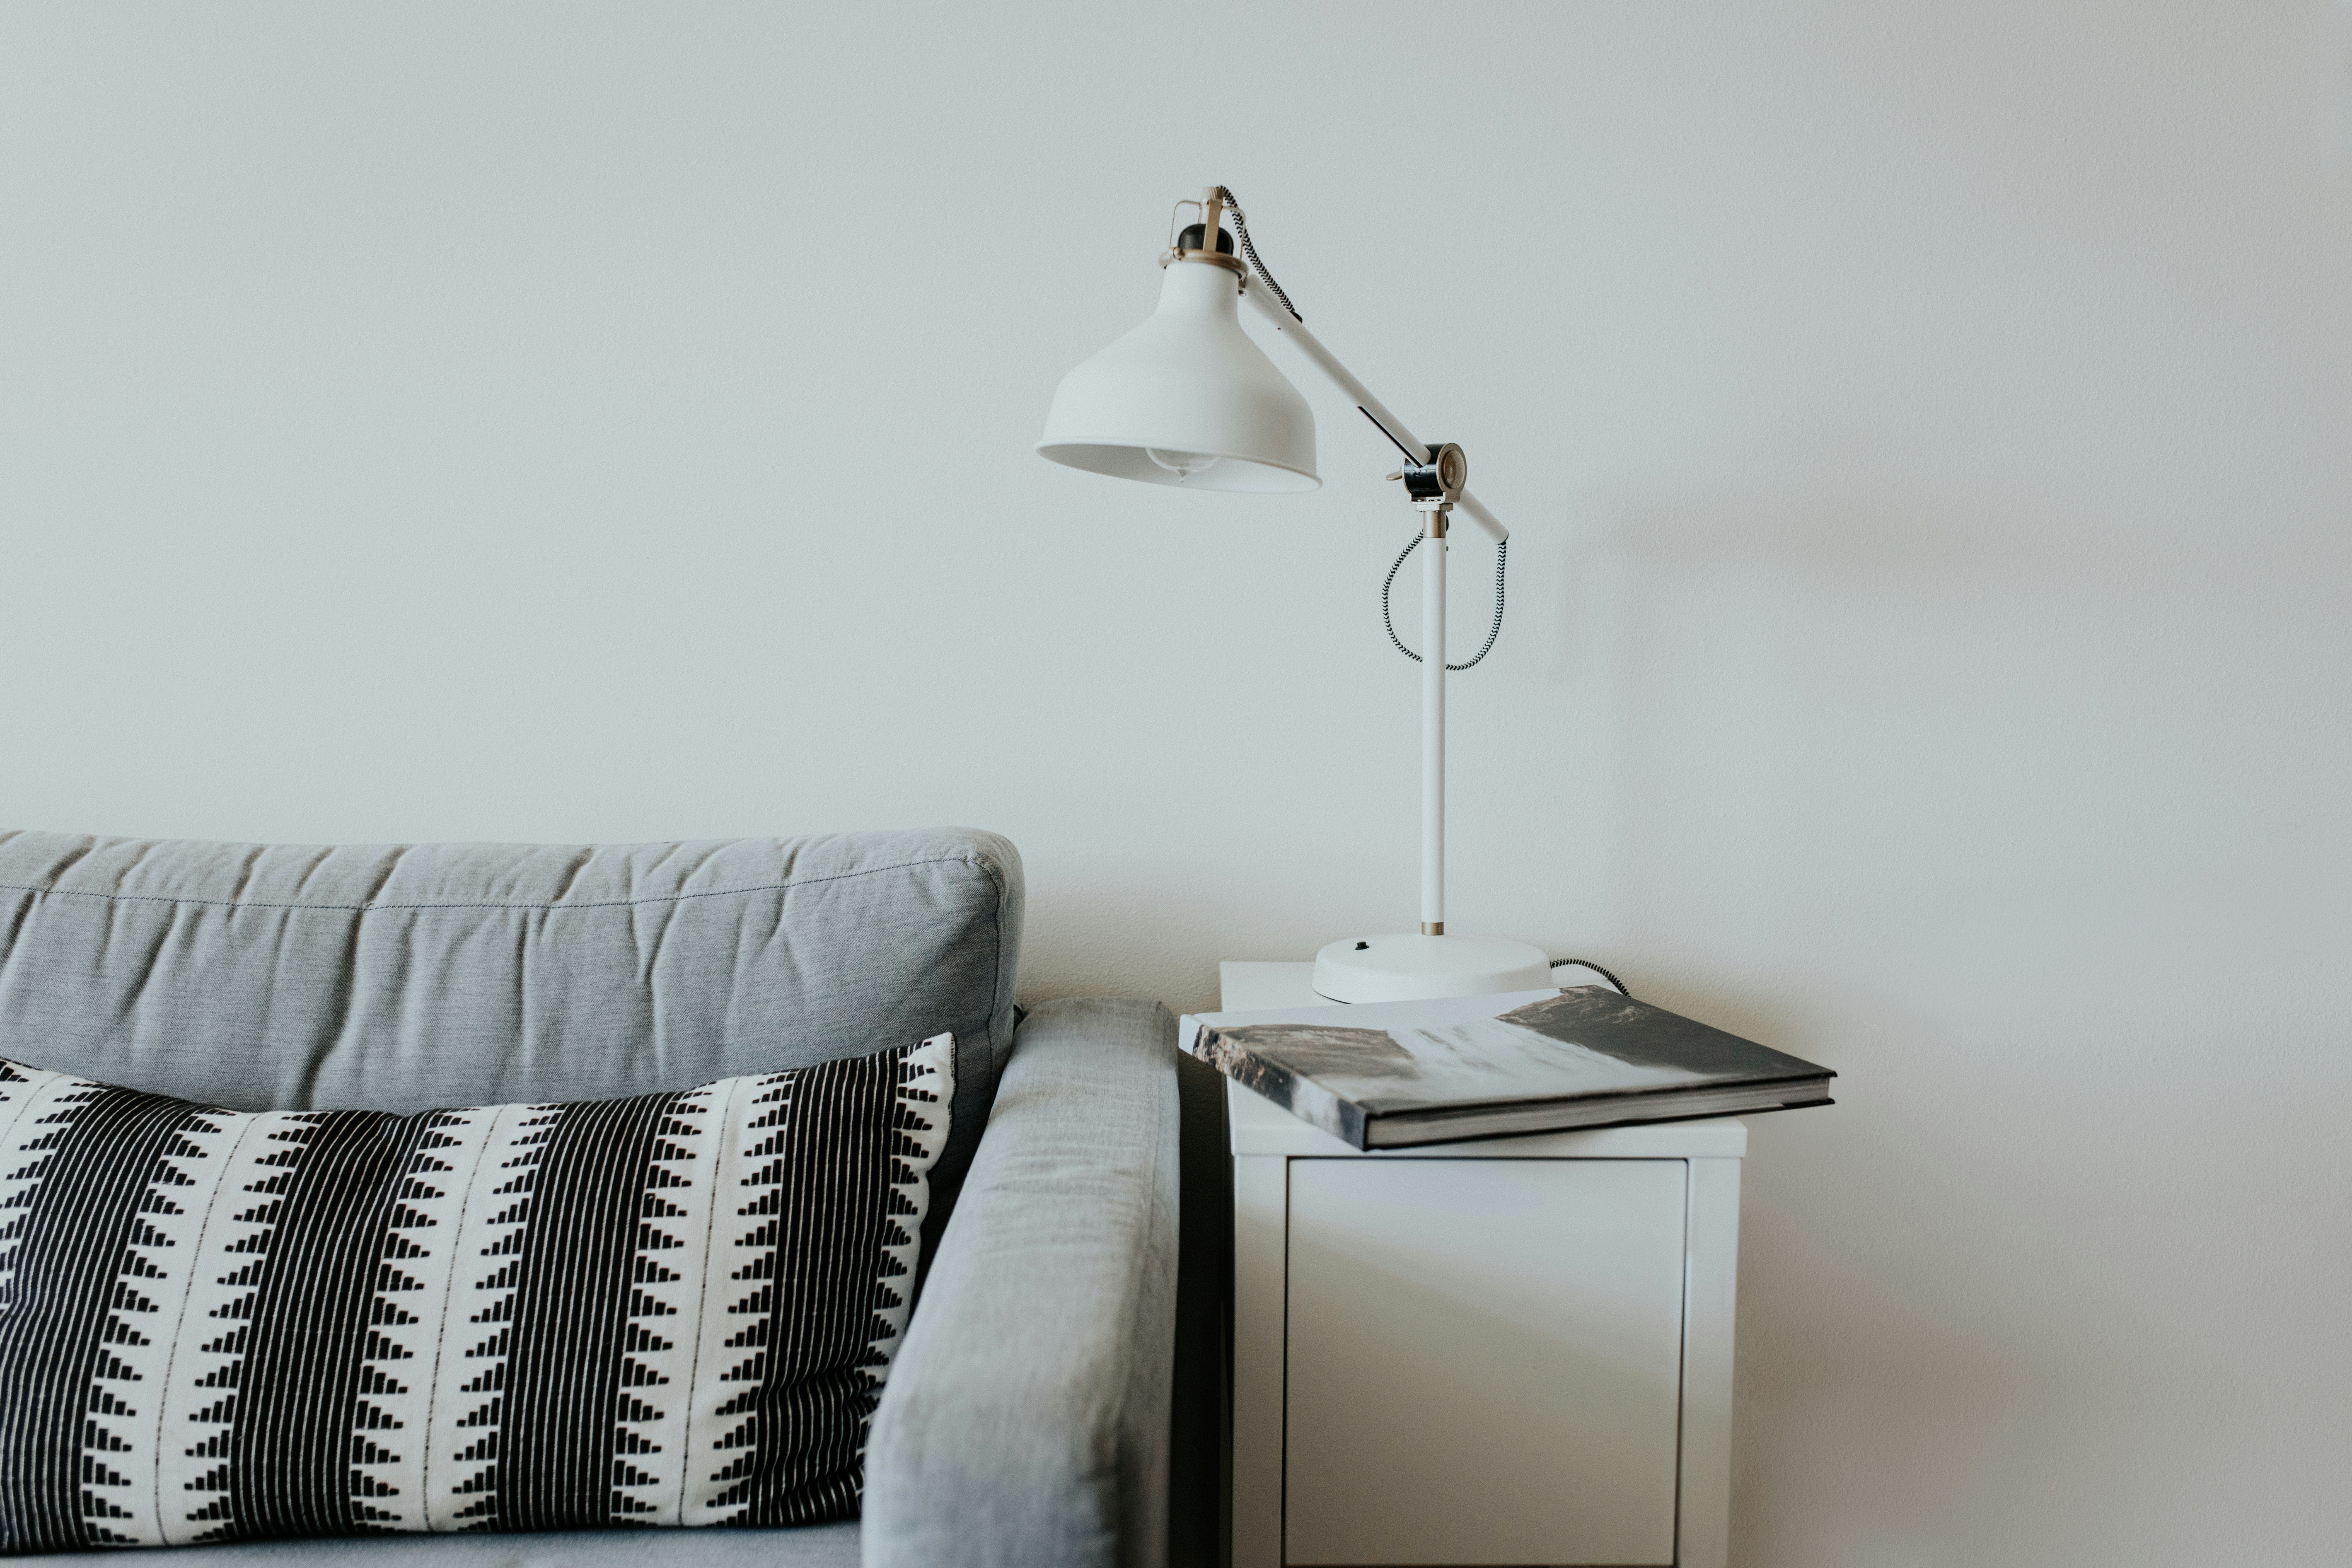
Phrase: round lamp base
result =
(1412, 968)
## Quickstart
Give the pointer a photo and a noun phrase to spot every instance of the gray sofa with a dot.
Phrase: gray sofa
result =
(1026, 1418)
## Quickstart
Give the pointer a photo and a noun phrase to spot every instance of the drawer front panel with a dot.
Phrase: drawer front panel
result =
(1483, 1361)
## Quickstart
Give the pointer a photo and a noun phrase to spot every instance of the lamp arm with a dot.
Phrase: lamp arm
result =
(1378, 412)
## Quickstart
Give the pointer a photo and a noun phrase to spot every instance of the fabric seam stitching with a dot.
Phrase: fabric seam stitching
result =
(551, 909)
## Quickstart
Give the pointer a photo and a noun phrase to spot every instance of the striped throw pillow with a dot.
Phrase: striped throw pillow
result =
(672, 1309)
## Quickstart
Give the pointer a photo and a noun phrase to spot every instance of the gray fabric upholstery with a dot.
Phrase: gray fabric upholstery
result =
(402, 977)
(1025, 1421)
(817, 1546)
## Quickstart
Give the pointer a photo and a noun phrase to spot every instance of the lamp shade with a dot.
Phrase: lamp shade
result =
(1186, 398)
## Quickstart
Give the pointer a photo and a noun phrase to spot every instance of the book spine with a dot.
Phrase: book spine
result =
(1303, 1097)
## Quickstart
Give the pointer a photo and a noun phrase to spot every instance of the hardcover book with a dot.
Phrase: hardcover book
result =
(1388, 1075)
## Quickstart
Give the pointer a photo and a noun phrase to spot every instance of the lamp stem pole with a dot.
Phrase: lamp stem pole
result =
(1433, 725)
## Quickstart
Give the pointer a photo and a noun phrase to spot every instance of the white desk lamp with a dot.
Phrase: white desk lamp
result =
(1187, 399)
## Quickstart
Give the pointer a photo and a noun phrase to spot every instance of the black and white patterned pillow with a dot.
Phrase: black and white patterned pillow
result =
(676, 1309)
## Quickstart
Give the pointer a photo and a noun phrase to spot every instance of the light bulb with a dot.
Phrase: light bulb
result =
(1184, 464)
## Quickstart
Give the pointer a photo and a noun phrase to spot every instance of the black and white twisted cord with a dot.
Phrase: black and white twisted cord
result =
(1588, 963)
(1502, 550)
(1249, 251)
(1502, 555)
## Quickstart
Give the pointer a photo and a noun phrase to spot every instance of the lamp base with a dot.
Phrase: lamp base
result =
(1413, 968)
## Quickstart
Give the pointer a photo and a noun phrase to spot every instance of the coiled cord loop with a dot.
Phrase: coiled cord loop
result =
(1502, 555)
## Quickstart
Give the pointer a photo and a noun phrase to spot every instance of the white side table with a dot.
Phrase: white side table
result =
(1516, 1351)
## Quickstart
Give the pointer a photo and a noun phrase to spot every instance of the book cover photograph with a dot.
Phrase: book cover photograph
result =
(1588, 1057)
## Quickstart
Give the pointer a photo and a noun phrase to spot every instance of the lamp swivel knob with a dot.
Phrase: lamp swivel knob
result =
(1438, 482)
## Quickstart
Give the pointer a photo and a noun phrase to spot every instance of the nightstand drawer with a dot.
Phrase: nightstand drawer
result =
(1483, 1361)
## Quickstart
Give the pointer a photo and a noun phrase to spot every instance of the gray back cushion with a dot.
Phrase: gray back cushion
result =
(402, 977)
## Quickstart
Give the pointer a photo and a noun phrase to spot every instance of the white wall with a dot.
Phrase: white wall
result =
(1928, 433)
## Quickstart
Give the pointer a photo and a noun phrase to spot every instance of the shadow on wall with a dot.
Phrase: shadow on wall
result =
(1850, 721)
(1967, 795)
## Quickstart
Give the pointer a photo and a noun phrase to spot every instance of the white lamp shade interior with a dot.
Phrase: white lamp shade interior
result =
(1186, 398)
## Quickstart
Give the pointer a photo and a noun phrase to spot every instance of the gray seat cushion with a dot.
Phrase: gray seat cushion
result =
(404, 977)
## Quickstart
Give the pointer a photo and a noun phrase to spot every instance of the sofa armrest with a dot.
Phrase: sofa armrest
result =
(1025, 1418)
